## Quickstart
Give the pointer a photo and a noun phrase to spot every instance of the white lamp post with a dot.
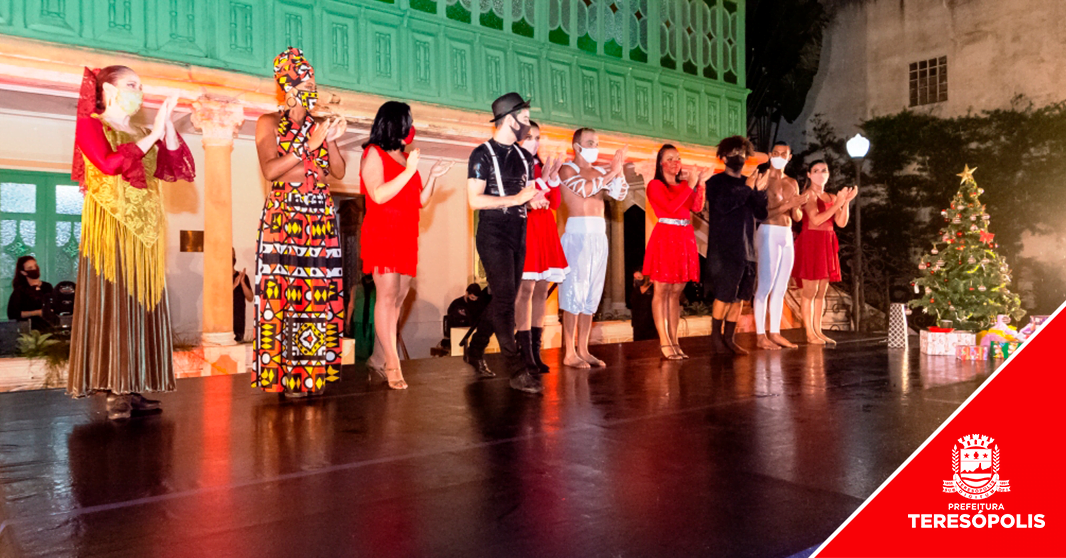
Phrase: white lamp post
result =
(858, 147)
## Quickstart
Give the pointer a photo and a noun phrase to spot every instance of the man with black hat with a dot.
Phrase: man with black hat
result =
(500, 186)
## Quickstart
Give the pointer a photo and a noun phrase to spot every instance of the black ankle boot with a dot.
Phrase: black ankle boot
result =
(717, 343)
(728, 337)
(536, 337)
(525, 349)
(476, 359)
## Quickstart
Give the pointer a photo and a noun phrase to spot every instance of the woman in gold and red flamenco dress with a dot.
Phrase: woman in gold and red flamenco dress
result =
(121, 340)
(298, 296)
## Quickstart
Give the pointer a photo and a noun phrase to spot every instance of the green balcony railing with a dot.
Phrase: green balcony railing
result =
(672, 69)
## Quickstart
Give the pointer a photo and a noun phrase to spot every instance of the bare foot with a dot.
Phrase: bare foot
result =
(780, 340)
(813, 339)
(574, 361)
(765, 343)
(826, 338)
(595, 362)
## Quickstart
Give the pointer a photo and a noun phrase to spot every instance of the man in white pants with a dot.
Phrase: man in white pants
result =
(773, 241)
(585, 241)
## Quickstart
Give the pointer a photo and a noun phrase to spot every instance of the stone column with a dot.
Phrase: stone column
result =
(616, 261)
(218, 120)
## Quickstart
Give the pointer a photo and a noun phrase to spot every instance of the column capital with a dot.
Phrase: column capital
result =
(217, 119)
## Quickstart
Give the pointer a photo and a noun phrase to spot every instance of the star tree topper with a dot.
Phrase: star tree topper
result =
(967, 174)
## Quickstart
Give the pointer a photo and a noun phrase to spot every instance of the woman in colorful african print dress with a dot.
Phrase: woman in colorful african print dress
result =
(120, 338)
(299, 296)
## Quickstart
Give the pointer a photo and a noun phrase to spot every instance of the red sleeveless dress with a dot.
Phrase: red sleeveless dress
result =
(817, 251)
(388, 242)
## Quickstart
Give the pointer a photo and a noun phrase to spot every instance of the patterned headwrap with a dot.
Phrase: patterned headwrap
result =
(292, 69)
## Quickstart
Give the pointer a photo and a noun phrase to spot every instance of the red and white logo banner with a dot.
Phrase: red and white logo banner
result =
(985, 483)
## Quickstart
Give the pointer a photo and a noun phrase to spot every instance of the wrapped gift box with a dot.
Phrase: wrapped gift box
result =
(971, 352)
(1004, 350)
(944, 343)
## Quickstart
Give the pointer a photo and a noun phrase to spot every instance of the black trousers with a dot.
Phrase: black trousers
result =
(501, 243)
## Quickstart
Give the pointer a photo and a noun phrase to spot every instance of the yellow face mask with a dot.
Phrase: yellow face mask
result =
(129, 100)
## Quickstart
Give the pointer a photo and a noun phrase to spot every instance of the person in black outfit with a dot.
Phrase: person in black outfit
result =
(242, 293)
(500, 186)
(734, 205)
(30, 296)
(465, 310)
(640, 306)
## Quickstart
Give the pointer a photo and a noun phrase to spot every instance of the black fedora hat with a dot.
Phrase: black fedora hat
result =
(507, 104)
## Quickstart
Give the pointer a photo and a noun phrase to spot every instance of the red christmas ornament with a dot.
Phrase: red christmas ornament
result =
(958, 233)
(986, 237)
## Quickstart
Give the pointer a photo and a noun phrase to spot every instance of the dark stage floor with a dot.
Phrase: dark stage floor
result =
(760, 456)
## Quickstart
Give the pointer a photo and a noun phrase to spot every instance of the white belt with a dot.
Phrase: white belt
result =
(678, 222)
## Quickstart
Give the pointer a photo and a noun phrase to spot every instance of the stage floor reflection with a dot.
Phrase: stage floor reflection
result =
(763, 455)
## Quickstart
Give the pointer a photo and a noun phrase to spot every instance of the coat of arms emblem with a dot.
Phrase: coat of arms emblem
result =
(976, 468)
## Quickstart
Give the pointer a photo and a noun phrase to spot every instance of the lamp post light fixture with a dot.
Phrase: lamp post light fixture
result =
(858, 146)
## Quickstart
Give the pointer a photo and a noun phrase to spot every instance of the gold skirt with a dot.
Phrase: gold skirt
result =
(117, 344)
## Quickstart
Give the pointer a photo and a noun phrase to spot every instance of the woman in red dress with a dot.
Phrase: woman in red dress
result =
(388, 243)
(545, 262)
(671, 259)
(817, 260)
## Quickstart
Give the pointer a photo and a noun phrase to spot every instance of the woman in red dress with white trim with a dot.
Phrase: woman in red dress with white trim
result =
(388, 243)
(545, 261)
(671, 258)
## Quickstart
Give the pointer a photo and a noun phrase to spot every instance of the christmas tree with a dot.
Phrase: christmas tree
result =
(963, 278)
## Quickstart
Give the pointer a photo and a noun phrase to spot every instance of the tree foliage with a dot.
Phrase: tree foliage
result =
(784, 40)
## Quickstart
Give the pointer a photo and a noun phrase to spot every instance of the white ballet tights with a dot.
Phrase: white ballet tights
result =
(776, 255)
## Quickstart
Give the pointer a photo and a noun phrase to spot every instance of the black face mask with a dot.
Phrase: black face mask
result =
(33, 273)
(520, 131)
(735, 163)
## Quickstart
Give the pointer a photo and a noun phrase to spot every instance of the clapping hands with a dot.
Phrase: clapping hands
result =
(336, 126)
(439, 168)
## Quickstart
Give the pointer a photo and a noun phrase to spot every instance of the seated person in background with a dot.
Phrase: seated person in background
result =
(242, 292)
(30, 296)
(640, 305)
(465, 310)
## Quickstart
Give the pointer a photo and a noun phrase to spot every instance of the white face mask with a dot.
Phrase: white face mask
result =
(531, 146)
(590, 154)
(778, 162)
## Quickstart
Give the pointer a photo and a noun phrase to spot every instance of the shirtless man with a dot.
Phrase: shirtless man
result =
(585, 241)
(773, 244)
